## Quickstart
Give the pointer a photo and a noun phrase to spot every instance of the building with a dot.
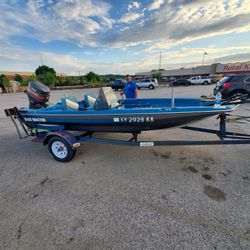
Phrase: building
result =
(204, 70)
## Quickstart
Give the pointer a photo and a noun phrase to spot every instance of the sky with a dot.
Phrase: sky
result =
(121, 36)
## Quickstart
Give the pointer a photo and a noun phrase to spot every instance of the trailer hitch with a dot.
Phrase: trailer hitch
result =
(14, 114)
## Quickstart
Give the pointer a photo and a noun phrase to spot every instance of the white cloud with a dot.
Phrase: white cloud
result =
(186, 53)
(87, 22)
(191, 20)
(66, 20)
(77, 9)
(132, 14)
(16, 58)
(134, 5)
(124, 28)
(130, 17)
(189, 57)
(156, 4)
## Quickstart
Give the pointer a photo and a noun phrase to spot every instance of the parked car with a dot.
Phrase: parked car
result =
(216, 78)
(148, 83)
(200, 80)
(182, 81)
(117, 84)
(231, 85)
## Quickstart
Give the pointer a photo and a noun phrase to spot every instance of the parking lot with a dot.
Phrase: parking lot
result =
(114, 197)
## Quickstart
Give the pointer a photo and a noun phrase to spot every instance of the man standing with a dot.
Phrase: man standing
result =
(130, 88)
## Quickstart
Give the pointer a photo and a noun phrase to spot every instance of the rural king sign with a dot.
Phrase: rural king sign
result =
(239, 67)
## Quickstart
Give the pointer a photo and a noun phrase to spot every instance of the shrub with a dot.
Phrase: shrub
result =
(26, 82)
(18, 78)
(92, 77)
(5, 81)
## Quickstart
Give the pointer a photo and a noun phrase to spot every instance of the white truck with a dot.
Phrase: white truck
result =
(200, 80)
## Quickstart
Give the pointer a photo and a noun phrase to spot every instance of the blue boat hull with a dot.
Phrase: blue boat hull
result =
(134, 116)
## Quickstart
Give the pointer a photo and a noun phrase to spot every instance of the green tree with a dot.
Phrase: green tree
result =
(48, 79)
(42, 70)
(46, 75)
(18, 78)
(5, 81)
(81, 80)
(158, 76)
(104, 79)
(92, 77)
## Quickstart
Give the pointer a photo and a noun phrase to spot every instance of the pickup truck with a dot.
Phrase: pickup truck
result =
(200, 80)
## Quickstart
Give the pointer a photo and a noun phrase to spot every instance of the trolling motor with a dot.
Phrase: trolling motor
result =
(38, 95)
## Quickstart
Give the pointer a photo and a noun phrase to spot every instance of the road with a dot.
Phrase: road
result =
(113, 197)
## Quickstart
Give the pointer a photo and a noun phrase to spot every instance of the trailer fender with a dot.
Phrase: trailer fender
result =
(71, 139)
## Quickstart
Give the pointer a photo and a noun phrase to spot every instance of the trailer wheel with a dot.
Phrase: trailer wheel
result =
(60, 149)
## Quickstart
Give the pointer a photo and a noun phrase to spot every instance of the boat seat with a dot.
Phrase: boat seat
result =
(70, 102)
(89, 101)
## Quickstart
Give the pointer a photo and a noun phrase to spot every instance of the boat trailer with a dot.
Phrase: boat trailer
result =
(62, 144)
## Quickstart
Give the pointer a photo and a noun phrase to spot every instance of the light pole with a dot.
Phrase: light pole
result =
(160, 62)
(41, 58)
(205, 53)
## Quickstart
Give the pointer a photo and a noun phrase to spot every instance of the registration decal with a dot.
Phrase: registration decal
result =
(116, 119)
(134, 119)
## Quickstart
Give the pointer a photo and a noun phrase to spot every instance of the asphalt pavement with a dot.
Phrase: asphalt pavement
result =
(114, 197)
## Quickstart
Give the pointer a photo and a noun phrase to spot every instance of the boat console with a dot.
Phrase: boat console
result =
(106, 99)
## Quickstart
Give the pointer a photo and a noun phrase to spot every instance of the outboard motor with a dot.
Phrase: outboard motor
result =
(38, 95)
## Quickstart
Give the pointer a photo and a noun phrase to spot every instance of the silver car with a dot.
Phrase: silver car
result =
(150, 83)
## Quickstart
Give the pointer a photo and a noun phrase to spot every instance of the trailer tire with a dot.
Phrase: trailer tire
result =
(60, 149)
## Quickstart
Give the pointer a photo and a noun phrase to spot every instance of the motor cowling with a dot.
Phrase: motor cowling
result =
(38, 94)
